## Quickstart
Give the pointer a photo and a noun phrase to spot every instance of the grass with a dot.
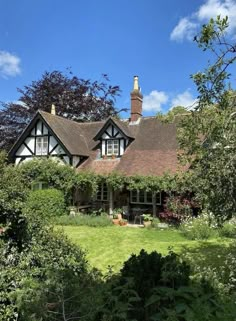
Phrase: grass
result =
(111, 246)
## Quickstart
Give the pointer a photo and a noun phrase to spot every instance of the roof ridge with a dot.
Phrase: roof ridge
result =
(70, 120)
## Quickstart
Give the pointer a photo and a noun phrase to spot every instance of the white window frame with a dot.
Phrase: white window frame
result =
(39, 186)
(114, 147)
(41, 145)
(103, 192)
(137, 193)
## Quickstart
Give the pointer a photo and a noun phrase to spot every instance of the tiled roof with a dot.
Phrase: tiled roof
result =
(72, 134)
(152, 150)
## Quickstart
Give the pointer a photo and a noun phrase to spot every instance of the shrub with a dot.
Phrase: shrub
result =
(228, 229)
(199, 228)
(154, 287)
(155, 222)
(45, 204)
(50, 275)
(84, 220)
(176, 209)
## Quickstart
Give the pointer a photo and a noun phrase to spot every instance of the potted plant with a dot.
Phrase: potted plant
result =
(118, 212)
(147, 219)
(115, 219)
(123, 222)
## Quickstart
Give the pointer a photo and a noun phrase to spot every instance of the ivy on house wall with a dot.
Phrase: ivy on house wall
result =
(67, 178)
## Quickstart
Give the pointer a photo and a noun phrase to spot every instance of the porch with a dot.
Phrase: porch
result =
(131, 204)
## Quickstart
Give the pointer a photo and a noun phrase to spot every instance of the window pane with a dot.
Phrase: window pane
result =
(112, 147)
(158, 198)
(134, 196)
(102, 193)
(149, 197)
(115, 146)
(141, 196)
(44, 185)
(35, 186)
(109, 147)
(105, 192)
(41, 145)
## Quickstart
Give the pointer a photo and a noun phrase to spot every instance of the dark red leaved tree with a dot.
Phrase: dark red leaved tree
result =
(78, 99)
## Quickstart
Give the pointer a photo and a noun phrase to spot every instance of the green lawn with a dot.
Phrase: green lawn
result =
(111, 246)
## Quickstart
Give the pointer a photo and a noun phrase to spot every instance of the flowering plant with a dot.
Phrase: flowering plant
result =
(176, 209)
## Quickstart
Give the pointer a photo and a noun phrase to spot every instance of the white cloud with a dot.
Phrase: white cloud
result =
(184, 99)
(19, 102)
(187, 26)
(154, 100)
(9, 64)
(184, 29)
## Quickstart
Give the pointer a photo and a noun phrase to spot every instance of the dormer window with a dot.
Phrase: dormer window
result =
(112, 147)
(114, 137)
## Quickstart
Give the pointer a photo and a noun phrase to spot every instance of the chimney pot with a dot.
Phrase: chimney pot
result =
(136, 87)
(53, 109)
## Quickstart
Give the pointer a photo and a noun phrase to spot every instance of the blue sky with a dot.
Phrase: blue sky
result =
(148, 38)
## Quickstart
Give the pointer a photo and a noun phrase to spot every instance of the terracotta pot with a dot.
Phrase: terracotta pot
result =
(119, 216)
(116, 221)
(147, 223)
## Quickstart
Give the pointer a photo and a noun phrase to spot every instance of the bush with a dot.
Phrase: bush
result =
(45, 204)
(47, 281)
(228, 229)
(84, 220)
(155, 222)
(154, 287)
(176, 209)
(199, 228)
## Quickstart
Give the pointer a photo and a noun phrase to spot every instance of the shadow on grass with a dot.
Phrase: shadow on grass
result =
(207, 253)
(211, 257)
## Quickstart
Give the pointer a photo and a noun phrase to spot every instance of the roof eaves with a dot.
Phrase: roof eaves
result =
(23, 135)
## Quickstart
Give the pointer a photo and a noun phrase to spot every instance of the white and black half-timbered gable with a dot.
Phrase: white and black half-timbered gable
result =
(40, 140)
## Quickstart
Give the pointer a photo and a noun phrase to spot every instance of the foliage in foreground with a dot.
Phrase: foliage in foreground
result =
(153, 287)
(13, 193)
(216, 263)
(48, 279)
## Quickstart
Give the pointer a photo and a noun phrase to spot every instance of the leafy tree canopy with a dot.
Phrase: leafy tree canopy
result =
(78, 99)
(208, 135)
(172, 113)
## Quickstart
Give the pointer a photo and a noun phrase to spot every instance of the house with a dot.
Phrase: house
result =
(138, 145)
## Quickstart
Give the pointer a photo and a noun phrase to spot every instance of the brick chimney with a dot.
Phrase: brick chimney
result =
(136, 101)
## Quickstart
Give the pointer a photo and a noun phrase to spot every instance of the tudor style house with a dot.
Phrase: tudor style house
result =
(138, 145)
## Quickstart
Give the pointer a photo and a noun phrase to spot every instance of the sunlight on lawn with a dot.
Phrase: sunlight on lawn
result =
(111, 246)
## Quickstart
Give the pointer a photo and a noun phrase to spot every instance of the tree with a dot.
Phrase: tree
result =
(170, 116)
(78, 99)
(208, 135)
